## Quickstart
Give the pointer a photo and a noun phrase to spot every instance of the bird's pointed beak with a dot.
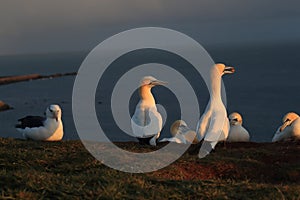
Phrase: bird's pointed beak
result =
(158, 82)
(229, 70)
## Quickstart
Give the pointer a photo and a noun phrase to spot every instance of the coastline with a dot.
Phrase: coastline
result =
(28, 77)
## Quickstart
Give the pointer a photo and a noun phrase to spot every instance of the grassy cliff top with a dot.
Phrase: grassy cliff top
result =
(66, 170)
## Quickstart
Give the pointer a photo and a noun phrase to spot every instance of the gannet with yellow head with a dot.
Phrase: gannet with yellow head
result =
(289, 129)
(181, 133)
(213, 125)
(237, 133)
(146, 123)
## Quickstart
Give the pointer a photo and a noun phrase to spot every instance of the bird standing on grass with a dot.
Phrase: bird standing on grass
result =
(49, 128)
(146, 123)
(213, 125)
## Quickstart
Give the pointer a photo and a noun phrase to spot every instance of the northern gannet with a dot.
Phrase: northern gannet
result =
(213, 125)
(146, 123)
(237, 133)
(49, 128)
(181, 133)
(289, 129)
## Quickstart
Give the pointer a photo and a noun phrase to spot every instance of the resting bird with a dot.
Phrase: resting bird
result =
(146, 123)
(237, 133)
(289, 129)
(181, 133)
(49, 128)
(213, 125)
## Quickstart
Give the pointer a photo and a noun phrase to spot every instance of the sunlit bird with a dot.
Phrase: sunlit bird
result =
(237, 133)
(181, 133)
(213, 125)
(48, 128)
(290, 128)
(146, 123)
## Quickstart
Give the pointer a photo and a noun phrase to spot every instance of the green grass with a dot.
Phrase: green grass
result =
(65, 170)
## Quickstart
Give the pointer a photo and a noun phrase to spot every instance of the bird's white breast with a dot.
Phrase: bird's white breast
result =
(238, 133)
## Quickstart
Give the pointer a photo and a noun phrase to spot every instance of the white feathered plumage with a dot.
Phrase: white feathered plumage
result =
(146, 123)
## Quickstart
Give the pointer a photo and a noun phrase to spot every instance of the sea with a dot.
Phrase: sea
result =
(263, 89)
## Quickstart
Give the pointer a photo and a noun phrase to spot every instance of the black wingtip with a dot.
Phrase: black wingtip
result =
(30, 122)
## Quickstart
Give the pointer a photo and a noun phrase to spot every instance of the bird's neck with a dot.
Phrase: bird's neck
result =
(51, 124)
(236, 125)
(51, 119)
(146, 95)
(215, 86)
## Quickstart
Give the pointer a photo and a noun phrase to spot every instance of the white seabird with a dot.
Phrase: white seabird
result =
(146, 123)
(213, 125)
(49, 128)
(181, 133)
(237, 133)
(289, 129)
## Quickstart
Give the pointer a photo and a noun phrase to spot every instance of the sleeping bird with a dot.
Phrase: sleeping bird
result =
(289, 129)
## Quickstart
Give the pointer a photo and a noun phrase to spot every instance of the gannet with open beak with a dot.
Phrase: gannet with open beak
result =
(146, 123)
(289, 129)
(213, 125)
(181, 133)
(237, 133)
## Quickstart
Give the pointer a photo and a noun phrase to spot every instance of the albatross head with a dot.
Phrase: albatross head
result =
(288, 119)
(150, 81)
(53, 111)
(223, 69)
(235, 119)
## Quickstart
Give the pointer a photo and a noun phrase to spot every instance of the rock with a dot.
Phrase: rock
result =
(4, 106)
(14, 79)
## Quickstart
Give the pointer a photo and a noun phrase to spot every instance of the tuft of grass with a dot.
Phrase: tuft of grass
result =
(66, 170)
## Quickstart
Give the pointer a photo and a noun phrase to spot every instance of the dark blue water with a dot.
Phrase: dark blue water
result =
(264, 87)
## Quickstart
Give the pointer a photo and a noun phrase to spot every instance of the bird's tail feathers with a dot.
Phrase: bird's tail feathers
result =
(206, 148)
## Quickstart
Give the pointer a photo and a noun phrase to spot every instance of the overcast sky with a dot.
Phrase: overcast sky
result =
(72, 25)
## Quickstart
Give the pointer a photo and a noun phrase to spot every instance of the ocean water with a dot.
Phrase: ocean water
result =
(264, 87)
